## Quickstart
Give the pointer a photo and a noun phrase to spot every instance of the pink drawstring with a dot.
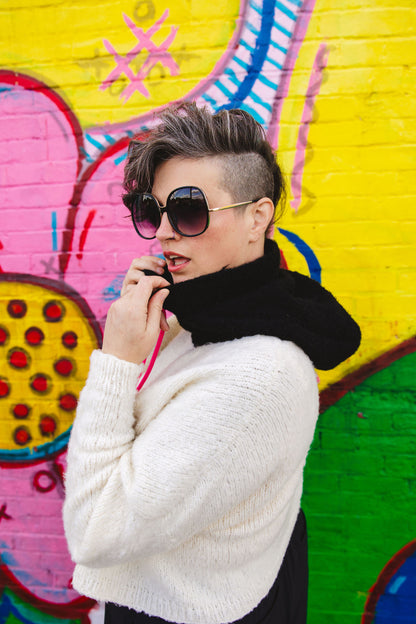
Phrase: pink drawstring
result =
(152, 361)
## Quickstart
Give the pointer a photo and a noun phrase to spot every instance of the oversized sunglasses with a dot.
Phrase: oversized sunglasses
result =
(186, 207)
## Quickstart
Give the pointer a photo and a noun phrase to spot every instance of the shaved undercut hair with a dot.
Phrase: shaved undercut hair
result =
(248, 162)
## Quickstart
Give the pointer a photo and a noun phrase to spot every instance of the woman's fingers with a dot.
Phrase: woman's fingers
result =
(133, 276)
(149, 263)
(164, 325)
(145, 291)
(137, 268)
(134, 320)
(156, 316)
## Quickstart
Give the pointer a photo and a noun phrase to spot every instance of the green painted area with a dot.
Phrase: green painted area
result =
(12, 619)
(360, 491)
(13, 610)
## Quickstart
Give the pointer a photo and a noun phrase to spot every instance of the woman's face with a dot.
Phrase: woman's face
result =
(228, 240)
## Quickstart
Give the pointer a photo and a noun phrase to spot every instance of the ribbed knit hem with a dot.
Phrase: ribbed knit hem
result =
(220, 610)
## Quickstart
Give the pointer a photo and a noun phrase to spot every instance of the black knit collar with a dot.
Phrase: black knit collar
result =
(261, 298)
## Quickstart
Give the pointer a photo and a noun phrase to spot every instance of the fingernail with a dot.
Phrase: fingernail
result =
(161, 262)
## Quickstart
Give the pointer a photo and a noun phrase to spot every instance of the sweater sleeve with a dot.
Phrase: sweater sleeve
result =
(214, 443)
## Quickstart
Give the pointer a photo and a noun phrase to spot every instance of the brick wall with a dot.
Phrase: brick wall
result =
(332, 84)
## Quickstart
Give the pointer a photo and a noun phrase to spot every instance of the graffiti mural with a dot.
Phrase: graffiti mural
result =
(334, 95)
(358, 497)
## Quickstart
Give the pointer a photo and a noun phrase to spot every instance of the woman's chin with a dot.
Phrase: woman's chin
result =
(186, 275)
(177, 279)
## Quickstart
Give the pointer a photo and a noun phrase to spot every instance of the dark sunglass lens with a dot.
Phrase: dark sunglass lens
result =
(188, 210)
(146, 215)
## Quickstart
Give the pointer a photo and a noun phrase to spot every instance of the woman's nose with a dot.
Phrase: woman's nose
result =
(165, 231)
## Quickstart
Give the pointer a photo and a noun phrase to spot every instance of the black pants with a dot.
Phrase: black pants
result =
(286, 602)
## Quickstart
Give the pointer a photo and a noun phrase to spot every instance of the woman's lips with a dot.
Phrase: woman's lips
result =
(176, 262)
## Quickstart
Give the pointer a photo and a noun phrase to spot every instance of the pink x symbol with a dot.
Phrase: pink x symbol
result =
(157, 54)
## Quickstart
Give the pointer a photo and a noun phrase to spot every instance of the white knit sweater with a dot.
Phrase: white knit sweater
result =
(181, 499)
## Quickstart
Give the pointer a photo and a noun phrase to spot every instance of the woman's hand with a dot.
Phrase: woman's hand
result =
(134, 320)
(135, 272)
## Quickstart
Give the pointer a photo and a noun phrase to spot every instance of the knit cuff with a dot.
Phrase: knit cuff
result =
(107, 401)
(112, 374)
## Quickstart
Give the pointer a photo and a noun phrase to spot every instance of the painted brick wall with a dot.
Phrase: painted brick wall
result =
(333, 84)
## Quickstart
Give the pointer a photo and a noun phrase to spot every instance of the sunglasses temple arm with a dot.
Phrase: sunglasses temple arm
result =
(246, 203)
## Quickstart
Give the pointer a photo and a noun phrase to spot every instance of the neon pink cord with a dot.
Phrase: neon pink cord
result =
(152, 361)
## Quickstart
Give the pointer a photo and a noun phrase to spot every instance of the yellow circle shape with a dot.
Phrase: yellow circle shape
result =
(46, 336)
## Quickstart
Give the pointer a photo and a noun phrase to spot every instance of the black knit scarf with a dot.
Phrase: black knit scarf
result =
(261, 298)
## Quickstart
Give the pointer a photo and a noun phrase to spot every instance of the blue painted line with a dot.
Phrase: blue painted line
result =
(242, 64)
(247, 46)
(285, 11)
(256, 7)
(275, 63)
(54, 232)
(87, 158)
(278, 47)
(3, 89)
(94, 142)
(232, 76)
(8, 559)
(109, 139)
(224, 89)
(210, 100)
(10, 610)
(252, 112)
(311, 260)
(120, 159)
(282, 29)
(267, 82)
(397, 583)
(259, 100)
(252, 29)
(130, 133)
(6, 555)
(297, 3)
(44, 450)
(258, 55)
(112, 292)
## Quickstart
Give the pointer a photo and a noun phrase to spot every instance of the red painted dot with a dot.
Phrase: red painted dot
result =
(64, 367)
(47, 425)
(4, 388)
(68, 402)
(18, 358)
(4, 335)
(34, 336)
(22, 436)
(70, 340)
(21, 410)
(17, 308)
(53, 311)
(39, 383)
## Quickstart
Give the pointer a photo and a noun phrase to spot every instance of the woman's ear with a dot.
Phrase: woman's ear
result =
(261, 213)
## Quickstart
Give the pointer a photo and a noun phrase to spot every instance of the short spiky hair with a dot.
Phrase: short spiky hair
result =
(248, 163)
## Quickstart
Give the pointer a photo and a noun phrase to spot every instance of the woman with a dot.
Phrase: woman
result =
(183, 499)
